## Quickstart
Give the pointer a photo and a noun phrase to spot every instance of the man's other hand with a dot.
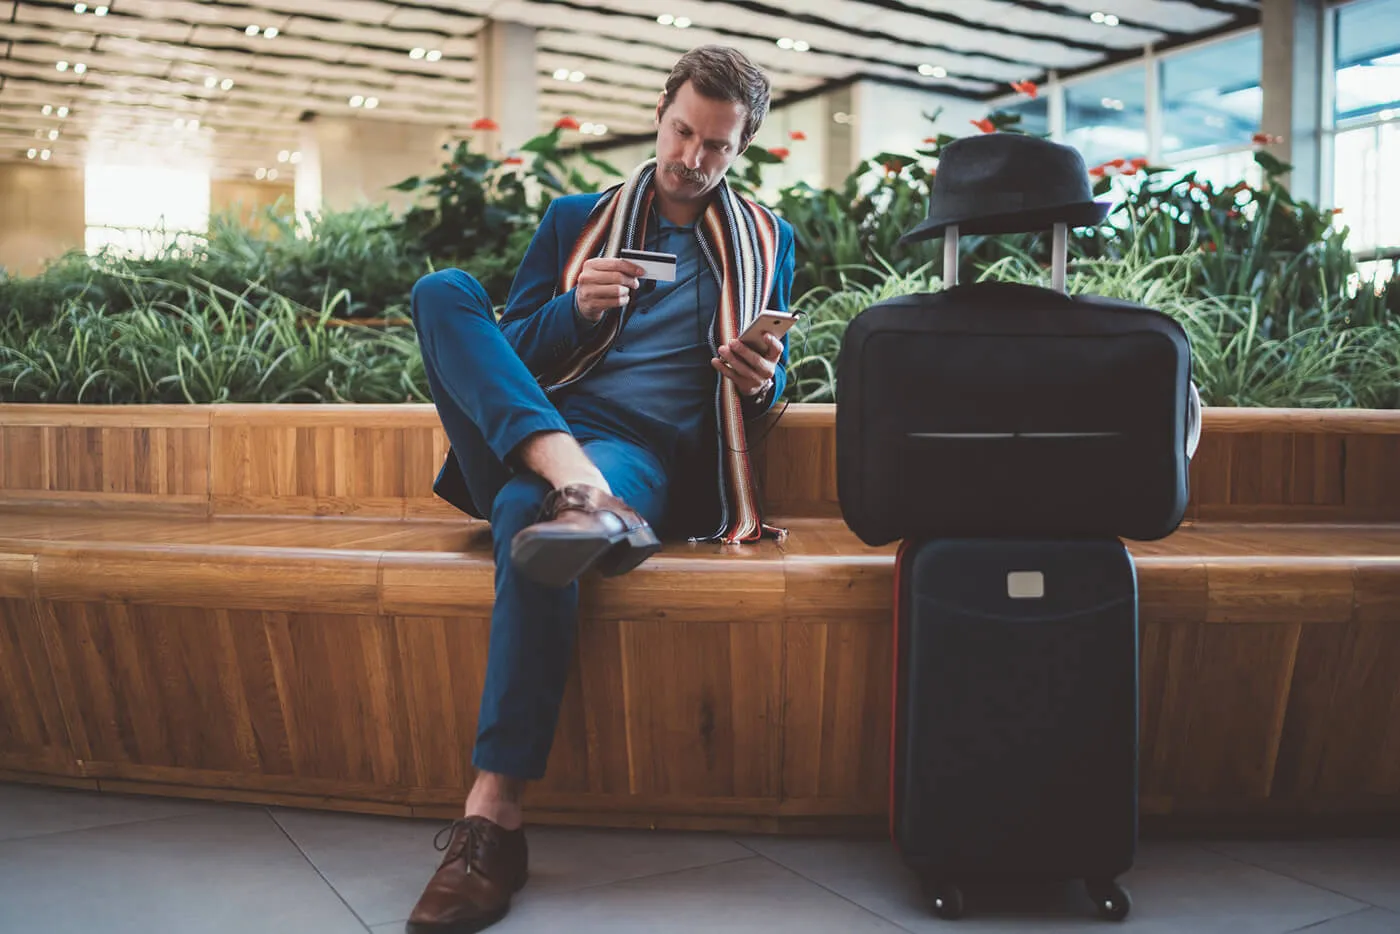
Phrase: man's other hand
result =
(603, 284)
(751, 372)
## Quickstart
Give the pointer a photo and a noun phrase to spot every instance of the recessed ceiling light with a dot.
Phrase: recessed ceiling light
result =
(80, 8)
(357, 101)
(100, 11)
(296, 157)
(62, 66)
(261, 173)
(63, 111)
(586, 128)
(682, 22)
(800, 46)
(32, 153)
(251, 30)
(417, 53)
(44, 154)
(53, 135)
(933, 71)
(283, 156)
(226, 84)
(434, 54)
(48, 109)
(576, 76)
(665, 19)
(599, 129)
(211, 82)
(272, 175)
(270, 32)
(784, 43)
(80, 69)
(371, 103)
(561, 74)
(1107, 19)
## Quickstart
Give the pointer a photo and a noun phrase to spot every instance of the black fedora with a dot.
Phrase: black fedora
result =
(1008, 183)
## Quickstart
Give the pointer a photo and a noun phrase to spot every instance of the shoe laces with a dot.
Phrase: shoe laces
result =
(473, 846)
(563, 498)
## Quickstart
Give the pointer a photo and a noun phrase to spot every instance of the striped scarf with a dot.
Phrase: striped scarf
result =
(739, 240)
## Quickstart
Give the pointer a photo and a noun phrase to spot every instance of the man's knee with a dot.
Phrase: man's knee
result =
(447, 291)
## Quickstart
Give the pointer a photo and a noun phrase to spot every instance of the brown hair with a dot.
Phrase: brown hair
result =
(722, 73)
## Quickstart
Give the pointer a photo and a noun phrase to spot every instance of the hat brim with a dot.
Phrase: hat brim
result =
(1077, 214)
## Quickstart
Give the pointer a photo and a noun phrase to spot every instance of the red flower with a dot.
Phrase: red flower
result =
(1138, 163)
(1117, 163)
(513, 160)
(931, 140)
(1337, 210)
(1208, 247)
(779, 153)
(797, 136)
(485, 123)
(1096, 172)
(1027, 88)
(893, 168)
(985, 125)
(566, 123)
(1264, 139)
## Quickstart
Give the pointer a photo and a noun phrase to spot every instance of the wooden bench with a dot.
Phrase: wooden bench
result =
(265, 603)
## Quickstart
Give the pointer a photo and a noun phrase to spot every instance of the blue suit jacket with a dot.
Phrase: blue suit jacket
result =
(540, 323)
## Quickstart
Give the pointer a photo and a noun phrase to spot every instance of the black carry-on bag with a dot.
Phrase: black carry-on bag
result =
(1015, 728)
(1000, 409)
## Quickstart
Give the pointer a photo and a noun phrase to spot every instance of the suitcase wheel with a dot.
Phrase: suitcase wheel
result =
(1110, 898)
(944, 899)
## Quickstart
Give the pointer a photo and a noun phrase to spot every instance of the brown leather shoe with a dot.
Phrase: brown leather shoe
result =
(483, 867)
(580, 526)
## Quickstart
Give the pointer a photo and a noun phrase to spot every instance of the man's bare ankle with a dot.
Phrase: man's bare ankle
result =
(496, 798)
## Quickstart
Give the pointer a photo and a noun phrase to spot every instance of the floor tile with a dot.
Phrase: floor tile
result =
(31, 810)
(380, 865)
(1367, 921)
(749, 895)
(1175, 887)
(1364, 869)
(232, 870)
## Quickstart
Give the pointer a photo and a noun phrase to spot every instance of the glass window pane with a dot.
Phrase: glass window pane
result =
(1367, 188)
(1211, 96)
(1034, 114)
(1222, 170)
(1368, 58)
(1105, 116)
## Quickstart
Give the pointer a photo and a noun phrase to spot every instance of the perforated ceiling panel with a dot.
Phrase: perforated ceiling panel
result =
(230, 81)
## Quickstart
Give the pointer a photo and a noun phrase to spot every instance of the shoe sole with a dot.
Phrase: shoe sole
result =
(558, 559)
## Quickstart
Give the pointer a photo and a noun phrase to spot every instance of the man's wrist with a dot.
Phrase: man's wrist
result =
(762, 391)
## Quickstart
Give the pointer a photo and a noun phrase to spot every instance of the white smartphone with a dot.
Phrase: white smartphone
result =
(776, 323)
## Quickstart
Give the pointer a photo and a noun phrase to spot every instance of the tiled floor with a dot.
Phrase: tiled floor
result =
(80, 862)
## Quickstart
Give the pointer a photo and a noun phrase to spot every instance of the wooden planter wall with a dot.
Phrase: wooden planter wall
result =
(181, 613)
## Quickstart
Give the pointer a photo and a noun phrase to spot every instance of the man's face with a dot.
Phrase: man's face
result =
(697, 140)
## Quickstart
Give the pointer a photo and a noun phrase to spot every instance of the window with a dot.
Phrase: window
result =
(1105, 116)
(1034, 114)
(1368, 61)
(1212, 95)
(1222, 170)
(143, 210)
(1366, 185)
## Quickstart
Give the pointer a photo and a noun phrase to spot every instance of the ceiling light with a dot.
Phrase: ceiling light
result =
(32, 153)
(665, 19)
(296, 157)
(62, 66)
(682, 22)
(576, 76)
(933, 71)
(226, 84)
(100, 11)
(784, 43)
(416, 54)
(80, 69)
(1110, 20)
(586, 128)
(272, 175)
(357, 101)
(561, 74)
(371, 103)
(48, 109)
(62, 112)
(211, 81)
(433, 55)
(80, 8)
(251, 30)
(261, 173)
(1096, 16)
(53, 135)
(44, 154)
(283, 156)
(841, 117)
(800, 46)
(270, 32)
(599, 130)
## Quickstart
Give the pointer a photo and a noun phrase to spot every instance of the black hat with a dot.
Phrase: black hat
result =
(1008, 183)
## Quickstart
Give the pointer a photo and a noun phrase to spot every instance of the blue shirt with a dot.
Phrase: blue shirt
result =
(660, 363)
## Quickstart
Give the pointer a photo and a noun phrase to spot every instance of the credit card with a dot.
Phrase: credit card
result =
(658, 266)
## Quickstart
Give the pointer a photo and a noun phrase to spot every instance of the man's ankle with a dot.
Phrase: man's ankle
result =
(496, 798)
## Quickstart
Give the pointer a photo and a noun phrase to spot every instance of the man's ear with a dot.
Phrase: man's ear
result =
(660, 106)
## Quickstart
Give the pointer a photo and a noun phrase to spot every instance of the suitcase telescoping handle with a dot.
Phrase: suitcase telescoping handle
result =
(1059, 261)
(1059, 256)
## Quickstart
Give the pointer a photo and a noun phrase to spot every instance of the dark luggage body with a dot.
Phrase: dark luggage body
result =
(1007, 410)
(1015, 729)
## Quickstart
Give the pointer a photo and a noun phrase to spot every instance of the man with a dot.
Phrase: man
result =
(595, 410)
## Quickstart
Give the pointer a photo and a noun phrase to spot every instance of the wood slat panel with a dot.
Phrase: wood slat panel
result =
(33, 732)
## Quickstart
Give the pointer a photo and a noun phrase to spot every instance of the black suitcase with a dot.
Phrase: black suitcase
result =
(1000, 409)
(1014, 748)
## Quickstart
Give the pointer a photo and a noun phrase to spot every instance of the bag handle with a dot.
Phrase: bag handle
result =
(1059, 256)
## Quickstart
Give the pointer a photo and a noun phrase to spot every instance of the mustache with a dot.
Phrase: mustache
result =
(686, 174)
